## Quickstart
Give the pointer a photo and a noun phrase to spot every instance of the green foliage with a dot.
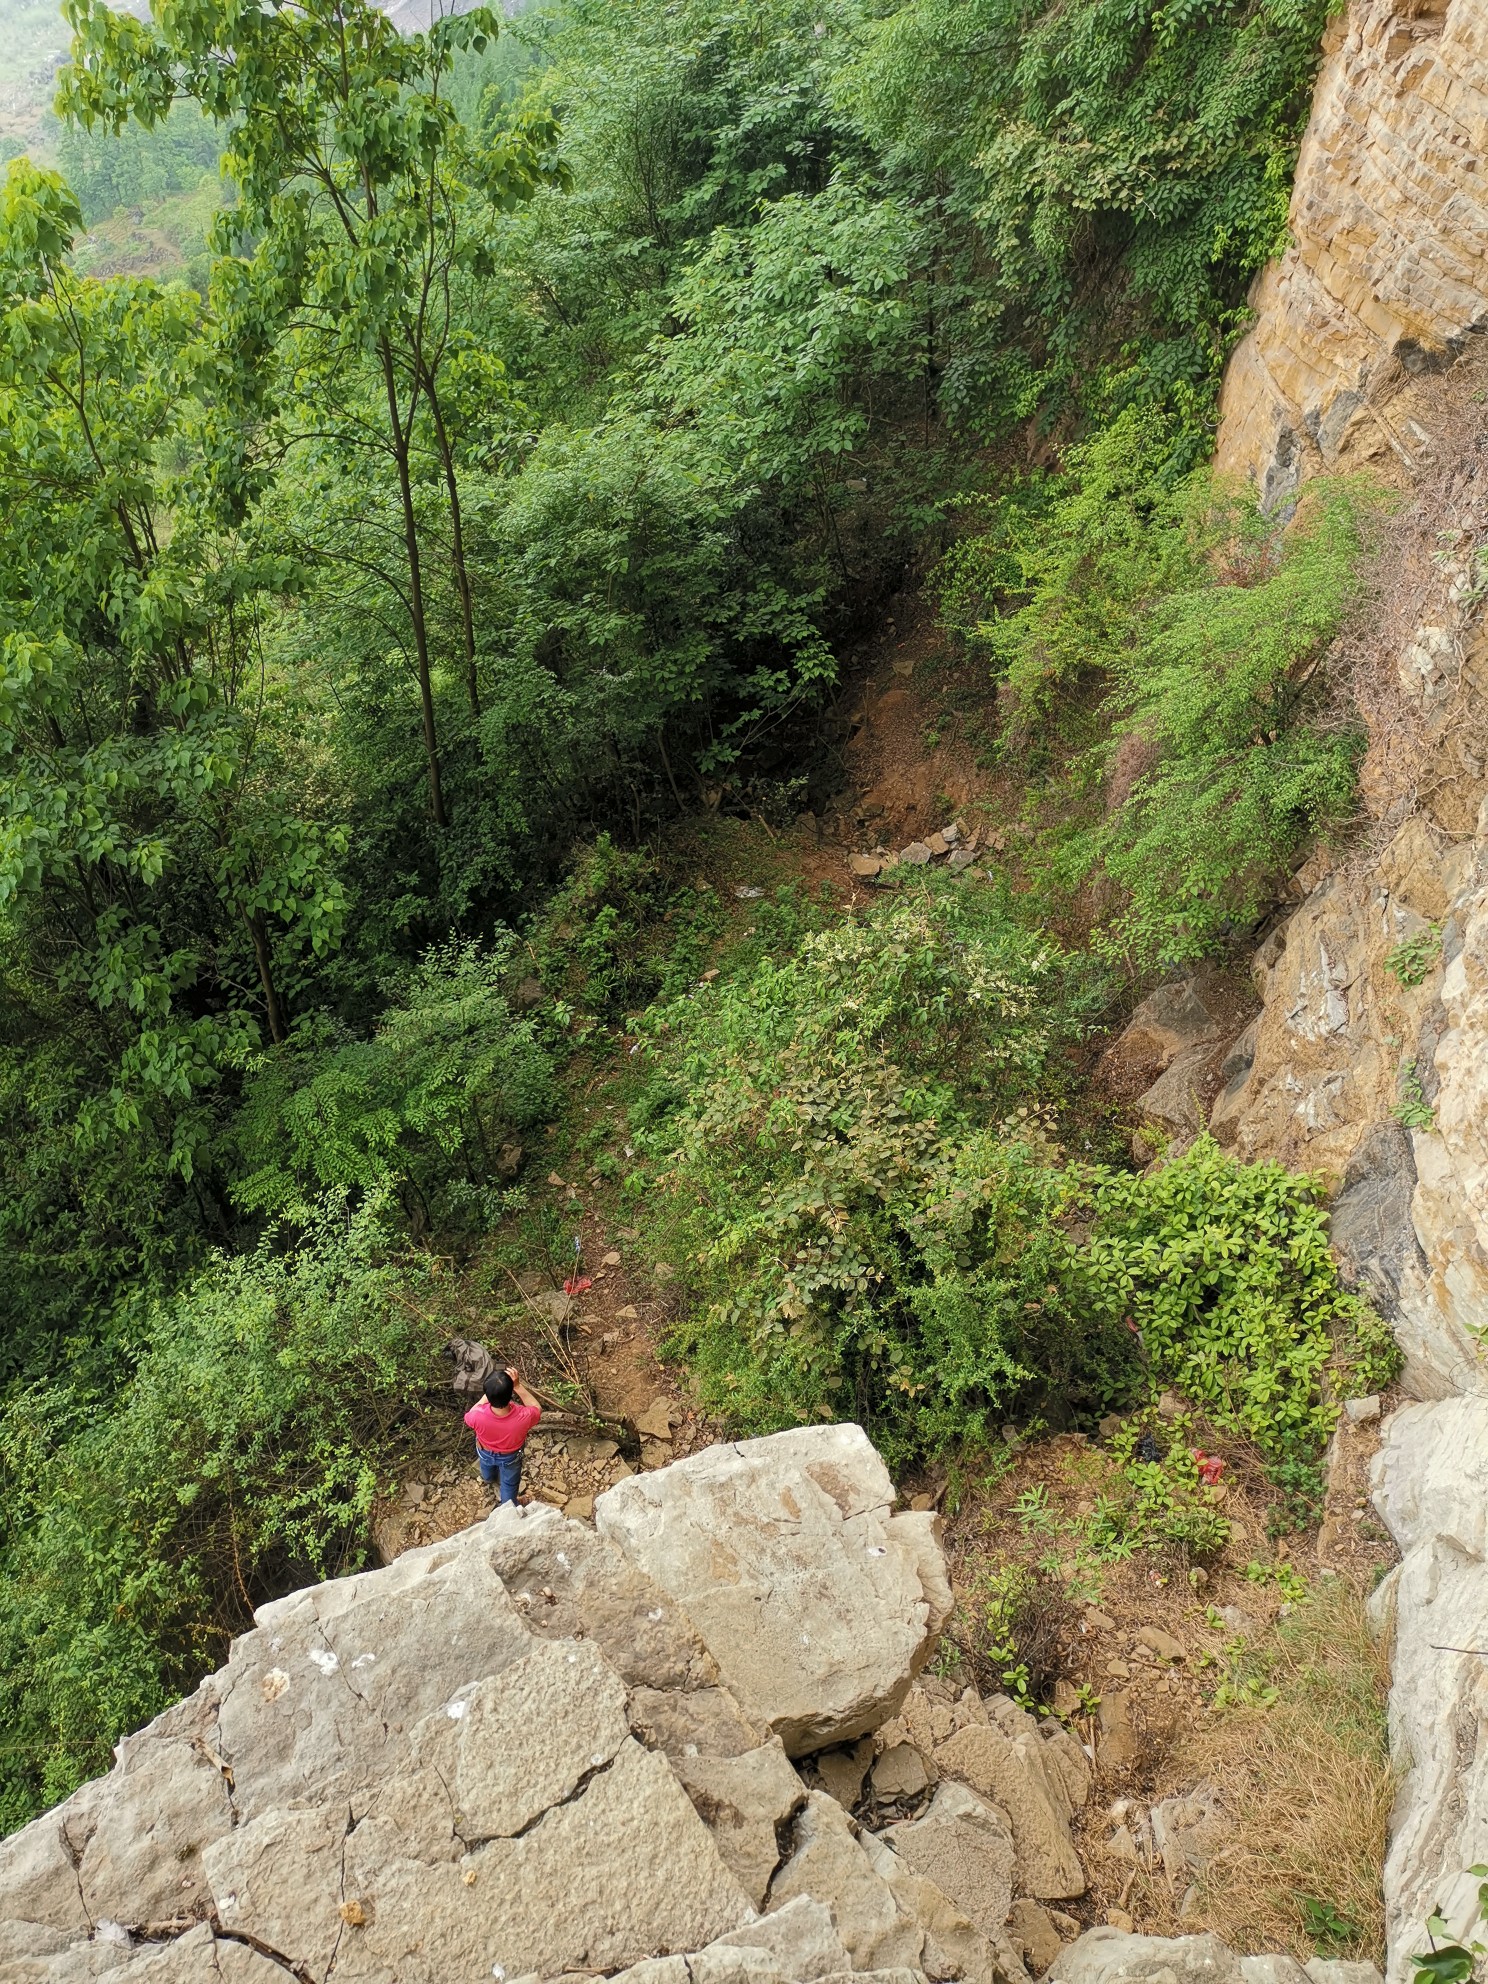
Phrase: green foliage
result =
(238, 1457)
(1008, 1620)
(1064, 580)
(1224, 691)
(1156, 1503)
(1225, 1271)
(859, 1244)
(1207, 627)
(1412, 1109)
(1124, 170)
(1448, 1961)
(1412, 959)
(776, 318)
(615, 935)
(422, 1106)
(1301, 1485)
(1289, 1583)
(871, 1231)
(158, 888)
(1330, 1931)
(136, 167)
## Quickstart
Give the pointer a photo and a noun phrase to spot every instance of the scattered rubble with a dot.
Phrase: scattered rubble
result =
(950, 844)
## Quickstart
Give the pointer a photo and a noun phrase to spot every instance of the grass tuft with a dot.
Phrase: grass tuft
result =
(1309, 1784)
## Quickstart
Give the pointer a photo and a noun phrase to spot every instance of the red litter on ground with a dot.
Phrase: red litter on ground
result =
(1210, 1466)
(576, 1284)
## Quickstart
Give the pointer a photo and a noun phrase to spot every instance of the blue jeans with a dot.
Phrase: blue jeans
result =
(503, 1468)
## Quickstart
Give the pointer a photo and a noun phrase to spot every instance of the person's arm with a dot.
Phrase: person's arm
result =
(521, 1390)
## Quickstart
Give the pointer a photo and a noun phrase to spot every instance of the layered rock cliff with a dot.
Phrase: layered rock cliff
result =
(1386, 281)
(1369, 1058)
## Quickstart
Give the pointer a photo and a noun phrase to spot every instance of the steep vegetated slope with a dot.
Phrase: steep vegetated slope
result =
(398, 633)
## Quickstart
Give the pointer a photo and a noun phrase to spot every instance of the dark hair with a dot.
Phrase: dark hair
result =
(498, 1389)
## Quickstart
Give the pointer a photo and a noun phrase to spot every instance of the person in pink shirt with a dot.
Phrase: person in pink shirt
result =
(501, 1428)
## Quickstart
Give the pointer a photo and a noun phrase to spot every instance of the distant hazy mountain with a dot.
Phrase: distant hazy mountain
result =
(33, 46)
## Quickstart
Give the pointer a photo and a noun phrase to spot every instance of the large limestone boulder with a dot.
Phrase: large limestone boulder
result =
(1430, 1488)
(817, 1602)
(513, 1753)
(1184, 1014)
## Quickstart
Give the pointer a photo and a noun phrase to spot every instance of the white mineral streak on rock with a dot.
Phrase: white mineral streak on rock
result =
(1431, 1490)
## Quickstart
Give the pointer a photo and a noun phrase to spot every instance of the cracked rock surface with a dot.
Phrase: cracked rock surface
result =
(531, 1750)
(819, 1605)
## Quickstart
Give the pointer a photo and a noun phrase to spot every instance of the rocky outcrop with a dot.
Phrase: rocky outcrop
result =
(1431, 1490)
(1371, 1066)
(518, 1753)
(1387, 274)
(1369, 1062)
(1108, 1956)
(820, 1603)
(1038, 1774)
(1178, 1050)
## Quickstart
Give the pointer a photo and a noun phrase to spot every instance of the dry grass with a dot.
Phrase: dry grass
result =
(1308, 1782)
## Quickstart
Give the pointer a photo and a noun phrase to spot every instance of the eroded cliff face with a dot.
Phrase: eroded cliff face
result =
(1387, 279)
(1369, 1059)
(1369, 1062)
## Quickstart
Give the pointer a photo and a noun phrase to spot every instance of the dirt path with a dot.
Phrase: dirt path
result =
(1133, 1657)
(611, 1339)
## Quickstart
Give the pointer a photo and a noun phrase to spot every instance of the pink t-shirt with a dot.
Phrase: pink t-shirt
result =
(502, 1432)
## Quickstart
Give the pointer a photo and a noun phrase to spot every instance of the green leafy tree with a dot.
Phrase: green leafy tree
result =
(1225, 690)
(422, 1107)
(235, 1455)
(358, 186)
(1108, 177)
(153, 881)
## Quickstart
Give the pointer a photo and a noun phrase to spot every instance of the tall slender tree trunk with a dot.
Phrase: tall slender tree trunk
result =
(415, 588)
(457, 548)
(278, 1032)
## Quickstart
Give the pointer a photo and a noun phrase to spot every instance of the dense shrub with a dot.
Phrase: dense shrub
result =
(1225, 1271)
(1201, 627)
(143, 1521)
(858, 1245)
(421, 1107)
(1106, 176)
(874, 1219)
(1226, 690)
